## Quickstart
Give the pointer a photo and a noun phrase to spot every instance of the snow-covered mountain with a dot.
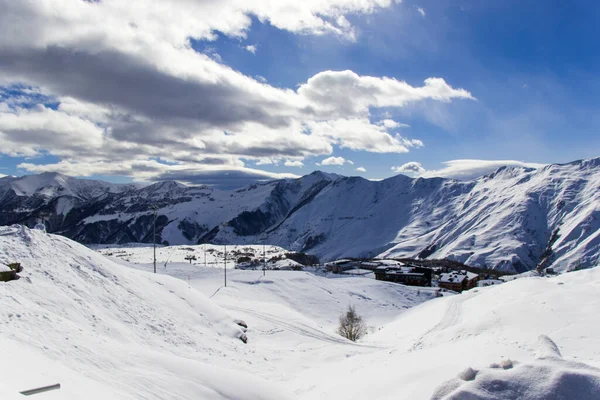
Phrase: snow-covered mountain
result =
(513, 219)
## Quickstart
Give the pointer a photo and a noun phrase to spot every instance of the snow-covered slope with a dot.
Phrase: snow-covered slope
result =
(106, 331)
(514, 219)
(52, 184)
(494, 331)
(105, 328)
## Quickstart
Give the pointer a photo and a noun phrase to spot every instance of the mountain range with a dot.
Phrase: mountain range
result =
(514, 219)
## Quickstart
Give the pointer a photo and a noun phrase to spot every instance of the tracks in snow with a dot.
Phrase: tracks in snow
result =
(450, 318)
(298, 327)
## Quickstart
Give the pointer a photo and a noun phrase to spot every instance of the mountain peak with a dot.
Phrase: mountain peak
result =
(325, 175)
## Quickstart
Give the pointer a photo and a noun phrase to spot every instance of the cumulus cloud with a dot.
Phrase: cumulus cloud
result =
(251, 48)
(421, 11)
(343, 94)
(462, 169)
(132, 89)
(361, 134)
(361, 169)
(293, 163)
(333, 161)
(412, 167)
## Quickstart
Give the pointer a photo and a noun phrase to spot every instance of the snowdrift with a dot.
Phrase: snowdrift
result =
(106, 331)
(547, 377)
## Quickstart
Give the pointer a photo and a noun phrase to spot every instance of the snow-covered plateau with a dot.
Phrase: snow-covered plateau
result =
(515, 219)
(107, 328)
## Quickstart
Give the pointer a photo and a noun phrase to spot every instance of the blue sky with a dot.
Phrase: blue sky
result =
(185, 99)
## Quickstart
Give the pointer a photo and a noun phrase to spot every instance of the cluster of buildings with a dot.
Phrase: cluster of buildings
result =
(406, 274)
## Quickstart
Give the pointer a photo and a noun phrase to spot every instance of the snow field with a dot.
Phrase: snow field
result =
(206, 254)
(107, 328)
(105, 331)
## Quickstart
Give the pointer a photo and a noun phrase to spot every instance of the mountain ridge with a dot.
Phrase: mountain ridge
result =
(513, 219)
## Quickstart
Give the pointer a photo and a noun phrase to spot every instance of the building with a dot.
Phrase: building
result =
(408, 275)
(458, 280)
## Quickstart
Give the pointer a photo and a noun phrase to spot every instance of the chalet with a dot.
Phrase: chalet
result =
(458, 280)
(407, 275)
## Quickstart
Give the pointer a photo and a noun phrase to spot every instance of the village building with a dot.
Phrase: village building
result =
(407, 275)
(458, 281)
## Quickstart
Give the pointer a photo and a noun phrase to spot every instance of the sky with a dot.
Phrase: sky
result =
(203, 90)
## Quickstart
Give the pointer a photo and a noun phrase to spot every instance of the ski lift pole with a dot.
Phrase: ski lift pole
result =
(40, 389)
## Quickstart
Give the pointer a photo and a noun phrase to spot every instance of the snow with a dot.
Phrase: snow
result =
(206, 254)
(432, 343)
(51, 184)
(108, 328)
(457, 276)
(547, 377)
(75, 314)
(489, 282)
(511, 220)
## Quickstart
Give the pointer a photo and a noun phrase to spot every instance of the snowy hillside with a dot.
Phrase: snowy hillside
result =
(532, 338)
(514, 219)
(106, 328)
(106, 331)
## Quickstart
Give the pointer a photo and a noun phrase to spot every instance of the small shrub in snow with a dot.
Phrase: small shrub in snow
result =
(352, 326)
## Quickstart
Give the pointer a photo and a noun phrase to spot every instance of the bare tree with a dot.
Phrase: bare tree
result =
(351, 325)
(190, 257)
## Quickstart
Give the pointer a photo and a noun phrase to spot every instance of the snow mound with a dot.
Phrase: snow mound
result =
(546, 378)
(106, 331)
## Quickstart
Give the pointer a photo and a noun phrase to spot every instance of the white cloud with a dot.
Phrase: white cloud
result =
(361, 169)
(471, 169)
(463, 169)
(26, 132)
(251, 48)
(421, 11)
(333, 161)
(136, 90)
(391, 124)
(412, 167)
(151, 170)
(341, 94)
(361, 134)
(293, 163)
